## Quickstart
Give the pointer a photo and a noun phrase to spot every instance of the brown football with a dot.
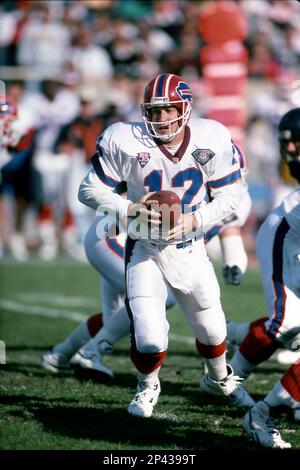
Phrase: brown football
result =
(166, 200)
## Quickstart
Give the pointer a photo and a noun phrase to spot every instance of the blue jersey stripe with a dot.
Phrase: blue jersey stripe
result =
(115, 247)
(100, 173)
(189, 210)
(228, 179)
(242, 156)
(279, 304)
(212, 233)
(129, 247)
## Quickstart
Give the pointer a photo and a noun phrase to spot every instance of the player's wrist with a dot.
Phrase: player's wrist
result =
(197, 220)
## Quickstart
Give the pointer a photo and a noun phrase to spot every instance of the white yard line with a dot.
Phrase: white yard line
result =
(57, 300)
(49, 312)
(28, 309)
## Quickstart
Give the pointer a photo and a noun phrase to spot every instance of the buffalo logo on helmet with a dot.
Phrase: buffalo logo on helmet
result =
(184, 91)
(143, 158)
(203, 156)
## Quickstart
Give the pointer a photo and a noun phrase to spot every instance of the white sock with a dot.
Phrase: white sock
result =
(216, 367)
(148, 380)
(241, 366)
(233, 252)
(116, 327)
(104, 347)
(280, 396)
(236, 332)
(74, 341)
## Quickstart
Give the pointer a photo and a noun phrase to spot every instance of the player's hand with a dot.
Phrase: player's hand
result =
(186, 224)
(142, 209)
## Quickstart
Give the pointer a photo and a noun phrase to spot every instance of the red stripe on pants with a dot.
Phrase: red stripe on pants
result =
(291, 380)
(94, 323)
(260, 321)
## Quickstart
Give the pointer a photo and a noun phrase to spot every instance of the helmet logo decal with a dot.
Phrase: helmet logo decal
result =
(184, 91)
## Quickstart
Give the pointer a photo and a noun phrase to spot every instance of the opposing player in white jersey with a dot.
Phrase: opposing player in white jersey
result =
(165, 153)
(278, 251)
(234, 255)
(106, 255)
(84, 347)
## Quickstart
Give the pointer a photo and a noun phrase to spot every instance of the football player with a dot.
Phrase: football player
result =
(169, 151)
(278, 251)
(17, 175)
(8, 135)
(84, 347)
(260, 423)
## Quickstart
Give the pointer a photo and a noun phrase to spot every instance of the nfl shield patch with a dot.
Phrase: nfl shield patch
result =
(143, 158)
(203, 156)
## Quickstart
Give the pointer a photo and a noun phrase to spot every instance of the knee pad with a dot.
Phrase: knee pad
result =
(211, 326)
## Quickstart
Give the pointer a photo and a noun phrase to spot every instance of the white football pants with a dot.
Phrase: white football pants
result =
(191, 276)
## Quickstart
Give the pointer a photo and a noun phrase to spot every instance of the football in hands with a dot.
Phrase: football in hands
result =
(168, 204)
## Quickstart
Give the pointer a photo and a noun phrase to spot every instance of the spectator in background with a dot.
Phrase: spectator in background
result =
(64, 220)
(103, 29)
(12, 27)
(59, 220)
(53, 106)
(45, 41)
(90, 121)
(262, 63)
(91, 61)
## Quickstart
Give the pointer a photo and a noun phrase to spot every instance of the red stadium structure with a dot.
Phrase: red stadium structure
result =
(224, 59)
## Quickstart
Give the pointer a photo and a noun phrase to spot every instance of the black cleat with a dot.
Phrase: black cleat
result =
(232, 275)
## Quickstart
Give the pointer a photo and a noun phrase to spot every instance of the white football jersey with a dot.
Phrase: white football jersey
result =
(205, 159)
(290, 210)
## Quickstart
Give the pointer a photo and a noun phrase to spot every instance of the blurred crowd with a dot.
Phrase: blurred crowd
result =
(74, 67)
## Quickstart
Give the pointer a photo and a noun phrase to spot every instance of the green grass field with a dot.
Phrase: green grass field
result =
(41, 303)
